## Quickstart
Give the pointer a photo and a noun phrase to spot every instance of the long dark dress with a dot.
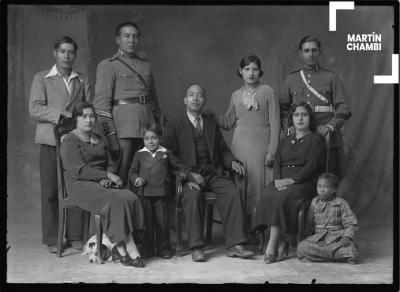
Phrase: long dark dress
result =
(85, 164)
(300, 159)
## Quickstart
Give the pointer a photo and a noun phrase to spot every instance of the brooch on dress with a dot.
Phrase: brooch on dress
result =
(164, 156)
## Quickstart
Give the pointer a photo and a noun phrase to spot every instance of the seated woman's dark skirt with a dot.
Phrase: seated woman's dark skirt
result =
(281, 207)
(121, 210)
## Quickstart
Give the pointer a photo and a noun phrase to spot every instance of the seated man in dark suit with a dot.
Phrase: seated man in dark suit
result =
(197, 141)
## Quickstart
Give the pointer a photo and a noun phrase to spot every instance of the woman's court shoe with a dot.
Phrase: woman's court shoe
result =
(269, 258)
(116, 256)
(282, 253)
(138, 262)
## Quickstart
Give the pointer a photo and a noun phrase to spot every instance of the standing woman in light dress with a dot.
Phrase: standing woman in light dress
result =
(254, 110)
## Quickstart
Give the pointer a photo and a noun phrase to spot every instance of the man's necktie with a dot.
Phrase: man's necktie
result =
(198, 125)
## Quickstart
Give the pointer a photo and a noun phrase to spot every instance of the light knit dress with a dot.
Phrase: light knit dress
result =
(257, 130)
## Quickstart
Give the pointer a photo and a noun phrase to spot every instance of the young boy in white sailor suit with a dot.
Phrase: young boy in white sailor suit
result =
(150, 169)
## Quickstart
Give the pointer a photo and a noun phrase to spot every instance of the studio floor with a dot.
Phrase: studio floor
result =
(39, 266)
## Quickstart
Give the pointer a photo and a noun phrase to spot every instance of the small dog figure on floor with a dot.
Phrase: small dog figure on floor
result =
(90, 249)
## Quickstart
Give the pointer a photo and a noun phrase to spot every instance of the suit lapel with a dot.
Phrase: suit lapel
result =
(209, 130)
(156, 159)
(76, 87)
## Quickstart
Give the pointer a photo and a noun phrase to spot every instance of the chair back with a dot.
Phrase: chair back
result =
(65, 126)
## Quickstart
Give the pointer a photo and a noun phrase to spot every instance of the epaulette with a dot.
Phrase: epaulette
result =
(112, 58)
(328, 69)
(296, 70)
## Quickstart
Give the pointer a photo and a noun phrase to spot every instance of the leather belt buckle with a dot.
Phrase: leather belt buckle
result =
(142, 98)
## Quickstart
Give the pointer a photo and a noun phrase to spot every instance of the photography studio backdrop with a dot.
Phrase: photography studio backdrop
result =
(204, 44)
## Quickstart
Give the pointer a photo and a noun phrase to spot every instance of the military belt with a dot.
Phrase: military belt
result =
(323, 109)
(130, 100)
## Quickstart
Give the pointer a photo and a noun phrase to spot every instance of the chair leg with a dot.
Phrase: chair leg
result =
(86, 224)
(210, 219)
(99, 237)
(262, 241)
(179, 236)
(300, 225)
(61, 226)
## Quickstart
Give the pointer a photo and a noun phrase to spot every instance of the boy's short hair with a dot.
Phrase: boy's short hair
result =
(155, 128)
(331, 178)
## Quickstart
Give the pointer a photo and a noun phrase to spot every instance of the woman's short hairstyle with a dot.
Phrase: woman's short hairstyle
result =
(331, 178)
(77, 111)
(293, 108)
(154, 127)
(308, 39)
(65, 40)
(246, 61)
(129, 23)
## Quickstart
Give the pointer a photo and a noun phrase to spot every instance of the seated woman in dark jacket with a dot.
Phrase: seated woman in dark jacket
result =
(89, 172)
(299, 158)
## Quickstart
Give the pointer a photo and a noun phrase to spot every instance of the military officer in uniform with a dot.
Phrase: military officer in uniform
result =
(125, 97)
(323, 89)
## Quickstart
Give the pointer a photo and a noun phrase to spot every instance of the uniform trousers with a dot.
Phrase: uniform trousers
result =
(157, 224)
(49, 199)
(337, 162)
(229, 204)
(128, 147)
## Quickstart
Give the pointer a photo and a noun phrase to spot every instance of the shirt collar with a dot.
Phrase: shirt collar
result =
(312, 68)
(321, 204)
(54, 72)
(159, 149)
(93, 138)
(192, 117)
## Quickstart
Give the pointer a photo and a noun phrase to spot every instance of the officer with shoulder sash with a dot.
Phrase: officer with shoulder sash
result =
(323, 89)
(125, 97)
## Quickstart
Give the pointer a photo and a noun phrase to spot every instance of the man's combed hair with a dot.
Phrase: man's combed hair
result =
(308, 39)
(65, 40)
(129, 23)
(154, 127)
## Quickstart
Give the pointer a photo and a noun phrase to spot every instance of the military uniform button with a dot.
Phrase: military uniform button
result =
(308, 95)
(308, 81)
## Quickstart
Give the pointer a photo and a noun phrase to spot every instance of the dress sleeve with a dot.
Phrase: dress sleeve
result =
(274, 121)
(104, 89)
(38, 106)
(342, 111)
(349, 220)
(278, 162)
(134, 169)
(228, 120)
(312, 160)
(285, 102)
(75, 165)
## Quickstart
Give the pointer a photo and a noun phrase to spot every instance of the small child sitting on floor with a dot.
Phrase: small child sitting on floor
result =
(332, 224)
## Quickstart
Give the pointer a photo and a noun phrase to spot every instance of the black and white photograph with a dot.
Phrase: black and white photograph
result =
(202, 143)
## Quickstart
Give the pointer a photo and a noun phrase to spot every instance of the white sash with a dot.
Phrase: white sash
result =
(316, 93)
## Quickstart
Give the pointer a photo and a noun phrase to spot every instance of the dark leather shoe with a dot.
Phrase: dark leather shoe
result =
(239, 251)
(116, 256)
(198, 255)
(165, 253)
(52, 248)
(76, 244)
(352, 261)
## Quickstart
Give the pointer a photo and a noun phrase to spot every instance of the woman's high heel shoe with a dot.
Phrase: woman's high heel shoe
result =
(282, 253)
(269, 258)
(138, 262)
(116, 256)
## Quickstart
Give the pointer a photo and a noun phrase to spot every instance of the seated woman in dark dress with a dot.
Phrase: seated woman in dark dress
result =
(299, 158)
(89, 172)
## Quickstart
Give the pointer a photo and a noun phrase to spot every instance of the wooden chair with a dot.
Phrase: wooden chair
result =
(63, 127)
(210, 201)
